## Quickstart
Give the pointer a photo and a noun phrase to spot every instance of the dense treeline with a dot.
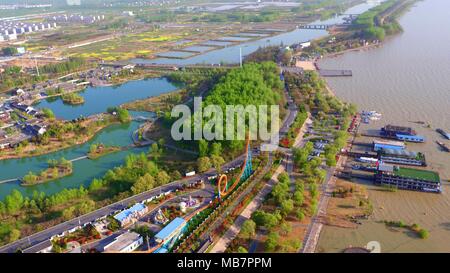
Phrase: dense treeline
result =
(373, 25)
(264, 16)
(71, 65)
(277, 54)
(254, 84)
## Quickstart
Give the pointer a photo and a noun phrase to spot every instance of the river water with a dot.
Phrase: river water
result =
(406, 79)
(99, 98)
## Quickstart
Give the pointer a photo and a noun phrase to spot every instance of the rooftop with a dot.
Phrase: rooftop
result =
(418, 174)
(170, 228)
(388, 142)
(124, 214)
(122, 241)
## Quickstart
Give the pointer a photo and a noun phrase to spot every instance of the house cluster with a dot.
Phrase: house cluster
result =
(19, 122)
(9, 30)
(76, 18)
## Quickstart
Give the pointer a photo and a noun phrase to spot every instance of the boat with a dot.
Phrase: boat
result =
(374, 115)
(443, 146)
(443, 133)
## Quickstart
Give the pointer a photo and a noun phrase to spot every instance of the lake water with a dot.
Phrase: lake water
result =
(406, 79)
(98, 99)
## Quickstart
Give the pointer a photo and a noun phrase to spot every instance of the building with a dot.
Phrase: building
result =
(403, 157)
(171, 233)
(386, 144)
(35, 130)
(407, 179)
(393, 130)
(127, 242)
(131, 215)
(410, 138)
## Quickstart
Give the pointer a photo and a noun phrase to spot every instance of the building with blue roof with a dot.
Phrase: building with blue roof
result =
(410, 138)
(132, 214)
(171, 233)
(384, 144)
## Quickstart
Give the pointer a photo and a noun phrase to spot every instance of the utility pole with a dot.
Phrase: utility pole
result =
(240, 56)
(37, 68)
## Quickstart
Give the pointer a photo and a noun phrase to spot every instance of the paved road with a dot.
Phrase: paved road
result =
(37, 241)
(313, 233)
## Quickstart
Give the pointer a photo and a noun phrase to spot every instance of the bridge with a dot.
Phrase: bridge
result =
(316, 26)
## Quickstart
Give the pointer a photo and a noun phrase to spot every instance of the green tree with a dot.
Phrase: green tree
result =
(248, 229)
(144, 183)
(217, 162)
(242, 249)
(287, 206)
(14, 201)
(14, 235)
(202, 148)
(203, 164)
(216, 149)
(162, 178)
(272, 242)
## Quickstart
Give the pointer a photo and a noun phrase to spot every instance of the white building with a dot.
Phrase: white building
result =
(127, 242)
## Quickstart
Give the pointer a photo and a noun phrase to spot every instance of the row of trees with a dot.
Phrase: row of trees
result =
(287, 203)
(71, 65)
(372, 24)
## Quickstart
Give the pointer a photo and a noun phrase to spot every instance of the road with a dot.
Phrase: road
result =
(37, 241)
(313, 233)
(234, 230)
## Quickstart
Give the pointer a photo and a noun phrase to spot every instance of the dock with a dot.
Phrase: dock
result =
(335, 73)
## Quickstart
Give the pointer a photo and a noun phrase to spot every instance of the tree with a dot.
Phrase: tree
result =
(287, 206)
(144, 183)
(242, 249)
(286, 228)
(9, 51)
(14, 201)
(216, 149)
(217, 162)
(272, 241)
(14, 235)
(248, 229)
(48, 113)
(268, 220)
(68, 213)
(298, 198)
(155, 151)
(202, 147)
(175, 175)
(300, 215)
(203, 164)
(162, 178)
